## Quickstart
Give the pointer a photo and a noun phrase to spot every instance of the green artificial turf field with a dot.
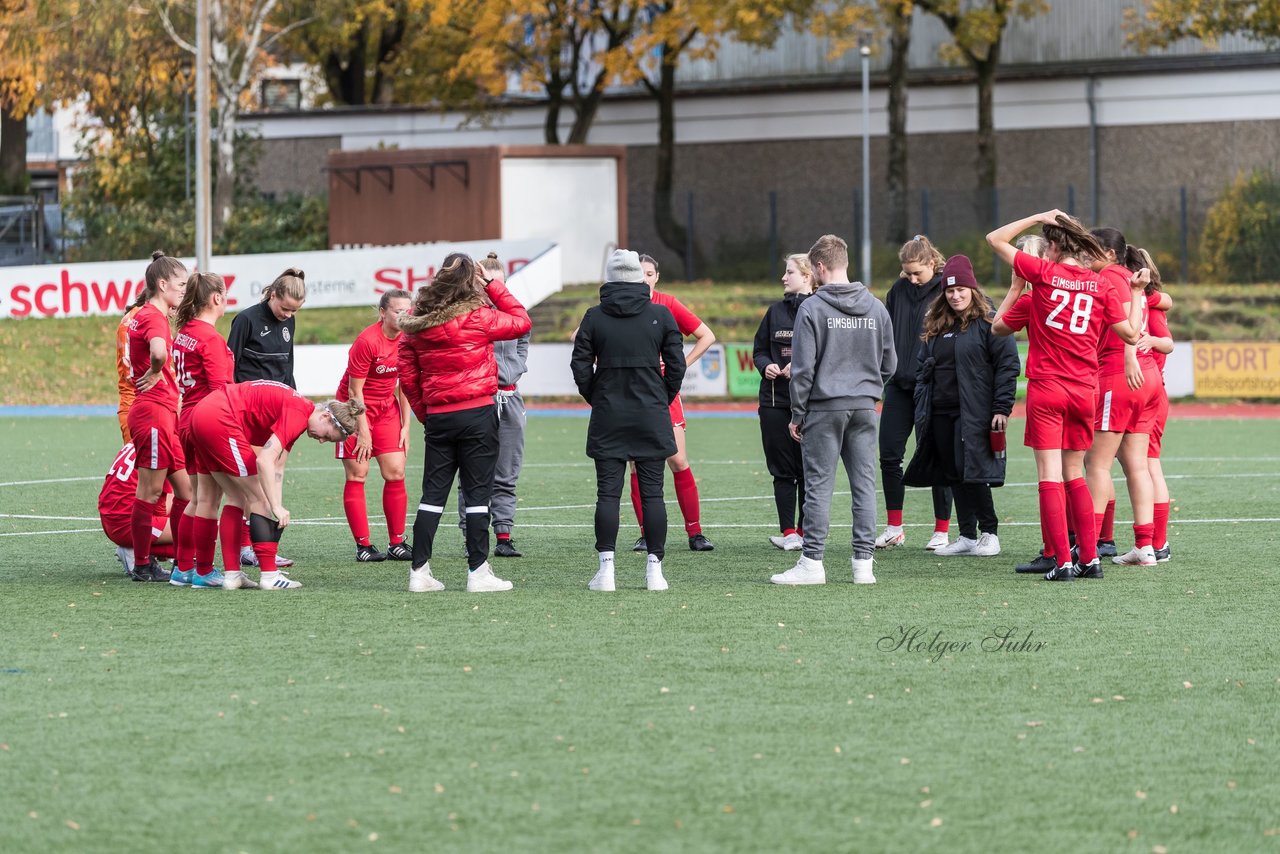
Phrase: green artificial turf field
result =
(725, 713)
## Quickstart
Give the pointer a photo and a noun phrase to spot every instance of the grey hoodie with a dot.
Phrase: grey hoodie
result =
(842, 351)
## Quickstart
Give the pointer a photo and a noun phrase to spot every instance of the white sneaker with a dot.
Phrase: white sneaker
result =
(653, 579)
(248, 558)
(276, 581)
(937, 541)
(806, 571)
(962, 546)
(422, 581)
(125, 556)
(788, 542)
(234, 580)
(1145, 556)
(892, 537)
(988, 546)
(482, 580)
(862, 571)
(603, 580)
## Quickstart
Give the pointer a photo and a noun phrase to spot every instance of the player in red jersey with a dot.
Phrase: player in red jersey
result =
(686, 485)
(243, 434)
(1065, 315)
(202, 364)
(153, 418)
(1126, 402)
(1159, 341)
(382, 431)
(115, 509)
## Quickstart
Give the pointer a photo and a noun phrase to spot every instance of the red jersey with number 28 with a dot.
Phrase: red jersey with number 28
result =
(264, 407)
(202, 363)
(1065, 315)
(150, 323)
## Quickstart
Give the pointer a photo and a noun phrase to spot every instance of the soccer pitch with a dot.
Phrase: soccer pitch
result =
(725, 713)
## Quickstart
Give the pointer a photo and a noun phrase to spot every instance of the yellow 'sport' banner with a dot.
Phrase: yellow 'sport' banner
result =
(1236, 370)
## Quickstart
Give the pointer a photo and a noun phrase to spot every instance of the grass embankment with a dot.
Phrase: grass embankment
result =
(73, 360)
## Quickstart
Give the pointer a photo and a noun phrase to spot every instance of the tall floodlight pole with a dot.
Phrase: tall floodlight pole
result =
(204, 220)
(864, 48)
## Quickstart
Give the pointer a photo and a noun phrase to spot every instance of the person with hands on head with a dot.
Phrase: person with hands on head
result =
(1065, 315)
(243, 435)
(450, 376)
(382, 430)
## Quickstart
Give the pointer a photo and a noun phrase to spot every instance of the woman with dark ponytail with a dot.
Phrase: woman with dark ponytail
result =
(153, 418)
(1065, 315)
(203, 365)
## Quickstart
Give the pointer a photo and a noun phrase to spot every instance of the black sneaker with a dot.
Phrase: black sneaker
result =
(1107, 548)
(399, 551)
(640, 546)
(156, 571)
(1091, 570)
(505, 548)
(1162, 555)
(1038, 565)
(140, 571)
(369, 554)
(1066, 572)
(699, 543)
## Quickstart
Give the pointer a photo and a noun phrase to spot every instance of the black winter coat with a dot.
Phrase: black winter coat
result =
(628, 363)
(908, 304)
(773, 347)
(262, 345)
(987, 371)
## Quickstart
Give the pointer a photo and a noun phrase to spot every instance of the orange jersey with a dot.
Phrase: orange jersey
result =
(124, 381)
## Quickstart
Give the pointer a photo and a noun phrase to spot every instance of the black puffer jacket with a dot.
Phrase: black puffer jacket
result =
(987, 373)
(908, 304)
(773, 347)
(628, 363)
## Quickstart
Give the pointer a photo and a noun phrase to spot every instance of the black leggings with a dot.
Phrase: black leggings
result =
(609, 477)
(974, 504)
(463, 443)
(782, 457)
(897, 420)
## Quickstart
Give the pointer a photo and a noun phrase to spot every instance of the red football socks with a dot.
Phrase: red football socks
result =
(395, 505)
(895, 518)
(266, 553)
(140, 527)
(941, 526)
(1142, 535)
(1107, 528)
(1053, 520)
(244, 535)
(184, 547)
(357, 514)
(204, 534)
(1080, 509)
(687, 498)
(1160, 524)
(230, 528)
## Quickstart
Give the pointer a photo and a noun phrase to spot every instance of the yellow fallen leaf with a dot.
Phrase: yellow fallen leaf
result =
(373, 837)
(924, 805)
(71, 824)
(439, 789)
(1140, 795)
(664, 690)
(395, 790)
(904, 761)
(936, 822)
(727, 808)
(1186, 684)
(1159, 849)
(1173, 808)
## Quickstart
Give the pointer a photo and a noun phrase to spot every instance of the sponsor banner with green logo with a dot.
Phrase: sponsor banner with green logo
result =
(744, 379)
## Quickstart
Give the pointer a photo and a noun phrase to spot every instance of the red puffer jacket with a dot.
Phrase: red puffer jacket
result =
(446, 357)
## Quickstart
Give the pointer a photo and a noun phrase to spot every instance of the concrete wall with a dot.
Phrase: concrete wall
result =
(296, 165)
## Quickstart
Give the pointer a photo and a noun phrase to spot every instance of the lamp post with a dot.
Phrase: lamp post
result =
(204, 220)
(864, 48)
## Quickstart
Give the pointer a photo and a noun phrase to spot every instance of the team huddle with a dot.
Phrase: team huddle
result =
(208, 425)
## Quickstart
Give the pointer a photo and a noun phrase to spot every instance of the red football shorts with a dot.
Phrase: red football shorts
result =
(154, 429)
(1059, 416)
(188, 441)
(677, 413)
(384, 430)
(117, 520)
(1120, 409)
(221, 445)
(1157, 427)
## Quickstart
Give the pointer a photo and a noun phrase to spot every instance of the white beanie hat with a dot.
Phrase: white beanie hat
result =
(624, 266)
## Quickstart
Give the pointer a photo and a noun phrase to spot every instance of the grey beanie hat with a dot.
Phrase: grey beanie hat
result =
(624, 266)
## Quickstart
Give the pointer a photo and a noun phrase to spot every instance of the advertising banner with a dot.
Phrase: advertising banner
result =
(744, 379)
(336, 277)
(1236, 370)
